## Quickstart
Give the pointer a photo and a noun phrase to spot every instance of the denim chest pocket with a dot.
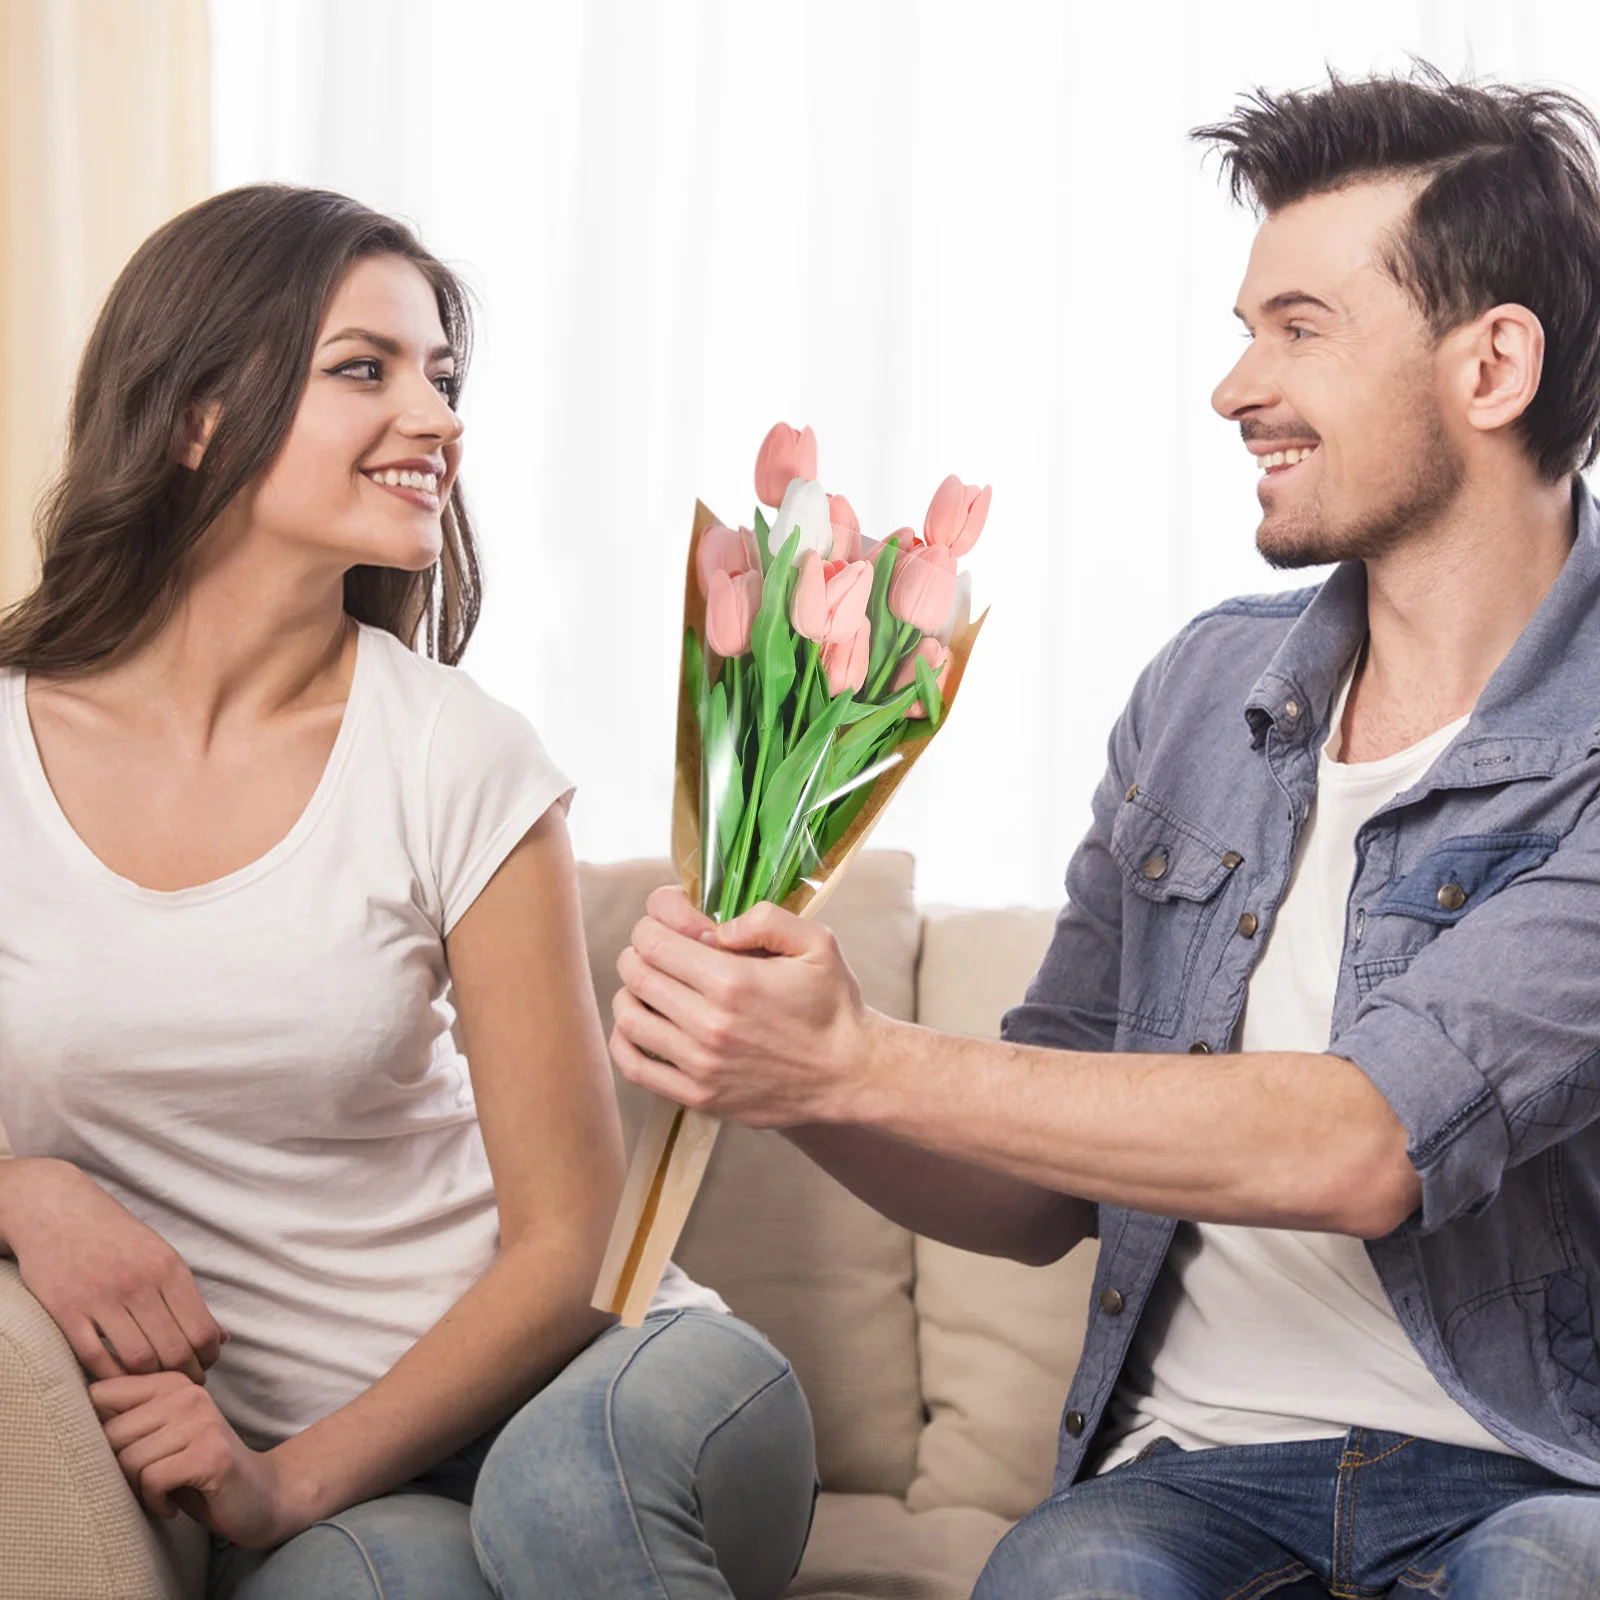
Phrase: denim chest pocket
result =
(1451, 881)
(1172, 871)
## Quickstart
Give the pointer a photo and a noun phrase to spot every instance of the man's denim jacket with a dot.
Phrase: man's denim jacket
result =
(1468, 991)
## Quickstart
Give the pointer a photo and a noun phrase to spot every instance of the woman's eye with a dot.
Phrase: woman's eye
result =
(367, 368)
(445, 383)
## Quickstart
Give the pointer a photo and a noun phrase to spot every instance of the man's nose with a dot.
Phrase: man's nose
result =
(1248, 387)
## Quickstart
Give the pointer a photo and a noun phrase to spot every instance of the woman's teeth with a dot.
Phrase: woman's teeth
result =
(426, 481)
(1283, 458)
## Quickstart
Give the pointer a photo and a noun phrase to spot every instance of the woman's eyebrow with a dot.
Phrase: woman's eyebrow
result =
(381, 341)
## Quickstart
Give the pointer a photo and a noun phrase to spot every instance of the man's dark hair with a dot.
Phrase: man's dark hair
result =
(1510, 212)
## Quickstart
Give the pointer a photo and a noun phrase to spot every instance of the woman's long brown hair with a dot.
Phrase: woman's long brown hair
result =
(221, 305)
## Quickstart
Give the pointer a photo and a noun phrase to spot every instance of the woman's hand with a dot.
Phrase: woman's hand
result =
(178, 1453)
(118, 1291)
(772, 1043)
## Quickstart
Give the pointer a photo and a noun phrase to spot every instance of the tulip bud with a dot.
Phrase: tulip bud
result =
(938, 659)
(846, 529)
(804, 506)
(808, 611)
(727, 550)
(956, 515)
(923, 587)
(844, 665)
(731, 608)
(785, 454)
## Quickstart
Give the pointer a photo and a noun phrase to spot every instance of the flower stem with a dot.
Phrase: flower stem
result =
(895, 656)
(797, 722)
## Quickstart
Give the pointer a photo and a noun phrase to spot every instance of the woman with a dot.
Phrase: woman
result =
(264, 864)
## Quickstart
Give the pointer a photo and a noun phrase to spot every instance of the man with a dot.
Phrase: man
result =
(1327, 984)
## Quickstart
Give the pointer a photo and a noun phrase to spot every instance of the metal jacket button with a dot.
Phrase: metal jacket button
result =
(1133, 791)
(1111, 1302)
(1452, 897)
(1248, 925)
(1154, 867)
(1232, 859)
(1073, 1423)
(1199, 1048)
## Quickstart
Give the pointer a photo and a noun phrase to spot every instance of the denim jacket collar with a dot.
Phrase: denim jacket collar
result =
(1538, 711)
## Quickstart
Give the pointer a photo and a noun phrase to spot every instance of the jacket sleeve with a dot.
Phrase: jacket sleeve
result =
(1487, 1046)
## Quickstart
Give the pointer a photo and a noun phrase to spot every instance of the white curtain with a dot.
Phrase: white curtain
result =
(966, 237)
(104, 106)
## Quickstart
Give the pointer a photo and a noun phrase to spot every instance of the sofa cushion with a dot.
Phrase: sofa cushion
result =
(825, 1277)
(997, 1341)
(870, 1547)
(59, 1474)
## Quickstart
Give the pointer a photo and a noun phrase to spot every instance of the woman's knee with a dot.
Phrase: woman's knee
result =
(401, 1547)
(640, 1442)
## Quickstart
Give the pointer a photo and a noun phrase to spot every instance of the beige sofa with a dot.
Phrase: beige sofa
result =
(935, 1377)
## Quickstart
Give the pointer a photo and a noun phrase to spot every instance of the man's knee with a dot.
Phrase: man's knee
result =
(1546, 1546)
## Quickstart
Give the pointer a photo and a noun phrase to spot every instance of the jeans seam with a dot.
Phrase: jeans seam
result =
(361, 1550)
(1252, 1589)
(616, 1456)
(738, 1410)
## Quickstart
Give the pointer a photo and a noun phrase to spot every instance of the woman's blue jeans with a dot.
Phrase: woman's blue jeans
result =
(669, 1462)
(1369, 1514)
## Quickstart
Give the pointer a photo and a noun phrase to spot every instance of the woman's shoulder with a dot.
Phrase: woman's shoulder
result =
(449, 718)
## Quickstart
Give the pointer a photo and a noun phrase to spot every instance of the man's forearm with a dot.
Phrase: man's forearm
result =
(1267, 1139)
(944, 1198)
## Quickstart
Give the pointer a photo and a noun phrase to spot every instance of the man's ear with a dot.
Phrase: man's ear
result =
(199, 423)
(1501, 355)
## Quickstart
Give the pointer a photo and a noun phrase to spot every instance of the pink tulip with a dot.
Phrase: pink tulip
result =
(785, 454)
(923, 587)
(846, 529)
(731, 608)
(844, 665)
(830, 598)
(727, 550)
(938, 659)
(956, 515)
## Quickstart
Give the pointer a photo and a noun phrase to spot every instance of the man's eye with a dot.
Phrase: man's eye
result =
(1297, 333)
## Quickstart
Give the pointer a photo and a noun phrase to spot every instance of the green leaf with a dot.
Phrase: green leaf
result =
(694, 676)
(884, 625)
(721, 795)
(788, 794)
(928, 691)
(772, 639)
(762, 530)
(855, 747)
(841, 815)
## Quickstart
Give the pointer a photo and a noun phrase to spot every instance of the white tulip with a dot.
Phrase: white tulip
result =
(804, 506)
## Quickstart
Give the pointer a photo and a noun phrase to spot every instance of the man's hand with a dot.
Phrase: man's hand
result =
(178, 1453)
(772, 1043)
(120, 1293)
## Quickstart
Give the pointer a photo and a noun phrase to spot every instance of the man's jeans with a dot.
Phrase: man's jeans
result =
(1370, 1514)
(674, 1459)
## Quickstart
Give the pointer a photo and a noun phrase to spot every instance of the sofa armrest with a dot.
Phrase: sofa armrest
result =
(70, 1528)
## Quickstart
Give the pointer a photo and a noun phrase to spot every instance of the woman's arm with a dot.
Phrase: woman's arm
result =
(548, 1111)
(547, 1108)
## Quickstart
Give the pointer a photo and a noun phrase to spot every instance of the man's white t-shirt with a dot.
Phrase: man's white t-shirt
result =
(1264, 1335)
(262, 1068)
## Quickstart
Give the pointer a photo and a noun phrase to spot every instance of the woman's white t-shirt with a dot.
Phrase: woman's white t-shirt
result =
(263, 1068)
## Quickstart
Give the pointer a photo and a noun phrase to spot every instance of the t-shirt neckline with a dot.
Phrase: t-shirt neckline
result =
(55, 820)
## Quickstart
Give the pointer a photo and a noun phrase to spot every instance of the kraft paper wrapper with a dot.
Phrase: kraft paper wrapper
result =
(675, 1145)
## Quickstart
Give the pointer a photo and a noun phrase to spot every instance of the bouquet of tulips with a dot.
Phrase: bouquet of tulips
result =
(816, 667)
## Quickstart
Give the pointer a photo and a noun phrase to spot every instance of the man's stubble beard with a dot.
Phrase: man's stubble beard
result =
(1429, 489)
